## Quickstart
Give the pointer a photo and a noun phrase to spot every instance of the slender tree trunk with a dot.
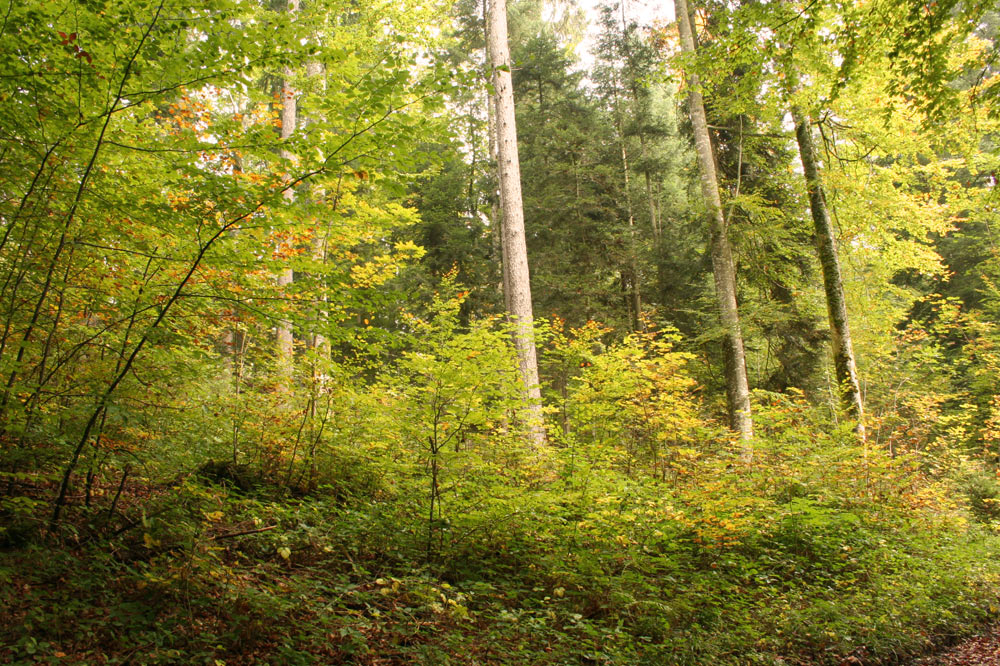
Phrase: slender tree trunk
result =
(654, 213)
(320, 242)
(284, 337)
(496, 234)
(637, 112)
(634, 298)
(723, 268)
(496, 225)
(826, 246)
(231, 337)
(518, 288)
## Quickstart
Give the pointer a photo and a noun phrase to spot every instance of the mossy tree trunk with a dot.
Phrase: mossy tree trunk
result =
(723, 268)
(833, 285)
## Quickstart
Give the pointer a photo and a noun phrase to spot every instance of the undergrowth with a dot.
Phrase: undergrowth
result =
(778, 562)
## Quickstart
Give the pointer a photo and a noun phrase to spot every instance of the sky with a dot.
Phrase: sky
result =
(642, 11)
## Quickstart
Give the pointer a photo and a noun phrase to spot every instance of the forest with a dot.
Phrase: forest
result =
(498, 332)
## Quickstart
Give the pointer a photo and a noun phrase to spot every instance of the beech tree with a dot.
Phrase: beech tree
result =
(723, 268)
(833, 285)
(167, 168)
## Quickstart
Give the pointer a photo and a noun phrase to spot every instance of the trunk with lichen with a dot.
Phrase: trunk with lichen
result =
(833, 286)
(723, 268)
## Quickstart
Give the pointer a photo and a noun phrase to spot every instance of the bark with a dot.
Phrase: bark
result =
(320, 242)
(284, 337)
(654, 213)
(517, 294)
(630, 280)
(833, 286)
(723, 268)
(231, 337)
(500, 250)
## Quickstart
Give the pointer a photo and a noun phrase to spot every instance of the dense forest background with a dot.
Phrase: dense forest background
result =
(262, 397)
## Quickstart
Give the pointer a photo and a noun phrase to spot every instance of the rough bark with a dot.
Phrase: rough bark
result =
(517, 285)
(723, 268)
(833, 286)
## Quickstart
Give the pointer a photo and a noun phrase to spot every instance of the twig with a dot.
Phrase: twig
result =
(114, 503)
(233, 535)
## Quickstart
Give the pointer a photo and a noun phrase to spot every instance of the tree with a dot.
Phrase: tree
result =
(737, 386)
(120, 257)
(833, 286)
(289, 117)
(579, 240)
(517, 281)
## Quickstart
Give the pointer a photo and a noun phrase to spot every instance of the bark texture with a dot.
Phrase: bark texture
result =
(723, 268)
(284, 338)
(320, 241)
(517, 286)
(833, 285)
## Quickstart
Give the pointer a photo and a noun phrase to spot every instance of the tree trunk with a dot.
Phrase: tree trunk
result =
(723, 269)
(284, 338)
(496, 232)
(833, 286)
(631, 283)
(515, 251)
(654, 213)
(320, 242)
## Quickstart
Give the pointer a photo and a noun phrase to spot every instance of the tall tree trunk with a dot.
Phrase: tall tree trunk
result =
(320, 241)
(826, 246)
(723, 269)
(654, 213)
(496, 234)
(232, 338)
(517, 285)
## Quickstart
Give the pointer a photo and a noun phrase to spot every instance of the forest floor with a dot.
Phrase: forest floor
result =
(982, 649)
(202, 570)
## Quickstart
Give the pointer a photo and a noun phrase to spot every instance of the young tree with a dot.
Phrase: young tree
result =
(134, 211)
(289, 116)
